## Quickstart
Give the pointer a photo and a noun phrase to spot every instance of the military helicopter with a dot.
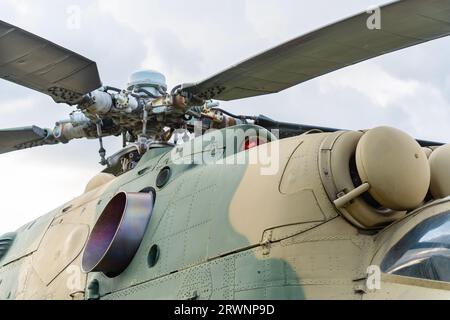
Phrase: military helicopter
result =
(249, 208)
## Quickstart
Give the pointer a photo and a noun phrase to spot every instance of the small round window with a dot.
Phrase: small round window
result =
(424, 252)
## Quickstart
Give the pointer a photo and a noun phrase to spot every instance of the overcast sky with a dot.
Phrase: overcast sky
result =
(188, 41)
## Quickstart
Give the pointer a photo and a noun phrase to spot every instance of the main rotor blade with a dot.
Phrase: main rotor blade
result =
(403, 24)
(23, 138)
(39, 64)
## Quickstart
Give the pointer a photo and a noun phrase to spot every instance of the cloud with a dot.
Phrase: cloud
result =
(11, 106)
(280, 21)
(32, 188)
(371, 80)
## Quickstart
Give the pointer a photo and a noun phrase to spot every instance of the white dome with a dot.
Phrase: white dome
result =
(147, 78)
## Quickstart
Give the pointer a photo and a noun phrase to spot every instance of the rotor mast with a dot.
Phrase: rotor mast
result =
(142, 112)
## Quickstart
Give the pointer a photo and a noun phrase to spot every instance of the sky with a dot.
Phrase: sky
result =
(188, 41)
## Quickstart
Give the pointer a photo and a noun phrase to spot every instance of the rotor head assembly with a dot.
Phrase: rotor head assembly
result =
(145, 113)
(144, 110)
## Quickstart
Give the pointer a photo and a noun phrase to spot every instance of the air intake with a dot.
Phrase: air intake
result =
(118, 233)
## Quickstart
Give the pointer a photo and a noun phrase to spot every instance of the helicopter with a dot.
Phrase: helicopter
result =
(203, 204)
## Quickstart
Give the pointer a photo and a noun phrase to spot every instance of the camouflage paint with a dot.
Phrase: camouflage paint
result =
(223, 231)
(201, 254)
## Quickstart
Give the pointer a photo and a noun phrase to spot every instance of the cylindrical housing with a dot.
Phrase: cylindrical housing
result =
(102, 102)
(118, 233)
(64, 132)
(126, 102)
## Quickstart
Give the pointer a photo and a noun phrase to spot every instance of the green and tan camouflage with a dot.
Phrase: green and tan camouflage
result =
(239, 212)
(223, 231)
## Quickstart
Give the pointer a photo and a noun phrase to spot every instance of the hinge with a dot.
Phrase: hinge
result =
(266, 242)
(77, 295)
(360, 286)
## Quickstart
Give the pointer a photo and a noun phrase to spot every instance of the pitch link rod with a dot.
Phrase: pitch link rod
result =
(102, 150)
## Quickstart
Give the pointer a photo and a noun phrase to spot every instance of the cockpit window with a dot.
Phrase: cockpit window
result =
(424, 252)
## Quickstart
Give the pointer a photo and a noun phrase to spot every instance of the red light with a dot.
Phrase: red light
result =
(252, 142)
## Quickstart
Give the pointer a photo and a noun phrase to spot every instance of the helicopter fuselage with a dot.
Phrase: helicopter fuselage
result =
(232, 228)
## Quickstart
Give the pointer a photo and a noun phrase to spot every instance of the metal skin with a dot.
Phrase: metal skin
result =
(223, 232)
(310, 228)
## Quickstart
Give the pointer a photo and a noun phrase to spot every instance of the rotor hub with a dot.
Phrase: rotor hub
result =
(147, 79)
